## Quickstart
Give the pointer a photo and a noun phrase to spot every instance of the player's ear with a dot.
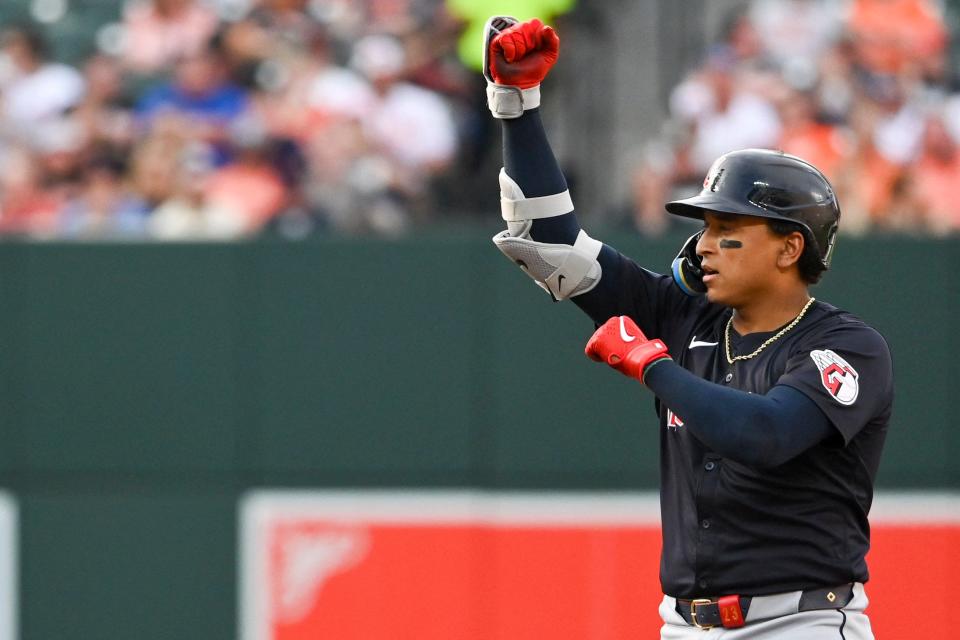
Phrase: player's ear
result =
(791, 249)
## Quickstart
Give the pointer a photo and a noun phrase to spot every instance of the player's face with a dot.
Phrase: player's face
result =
(739, 256)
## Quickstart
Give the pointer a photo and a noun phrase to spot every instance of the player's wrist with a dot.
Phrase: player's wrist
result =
(507, 102)
(649, 366)
(639, 359)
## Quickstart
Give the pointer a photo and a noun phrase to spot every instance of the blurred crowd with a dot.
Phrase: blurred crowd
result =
(225, 119)
(221, 120)
(863, 89)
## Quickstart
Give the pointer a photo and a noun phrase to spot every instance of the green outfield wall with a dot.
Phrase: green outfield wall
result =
(145, 387)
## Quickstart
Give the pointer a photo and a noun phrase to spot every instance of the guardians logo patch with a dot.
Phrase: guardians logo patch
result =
(838, 377)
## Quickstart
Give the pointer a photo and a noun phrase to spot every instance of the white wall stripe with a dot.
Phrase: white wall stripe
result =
(526, 508)
(918, 507)
(501, 508)
(9, 554)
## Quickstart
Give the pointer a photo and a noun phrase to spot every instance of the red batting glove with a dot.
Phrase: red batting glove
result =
(522, 55)
(621, 344)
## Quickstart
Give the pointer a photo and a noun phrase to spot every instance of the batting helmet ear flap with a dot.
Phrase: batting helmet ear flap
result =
(686, 270)
(831, 240)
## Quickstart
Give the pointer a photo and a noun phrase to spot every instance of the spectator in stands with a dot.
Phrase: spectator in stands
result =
(824, 144)
(796, 33)
(249, 186)
(720, 115)
(153, 166)
(188, 214)
(336, 92)
(287, 20)
(26, 209)
(835, 86)
(343, 182)
(200, 102)
(402, 139)
(105, 114)
(742, 44)
(950, 115)
(867, 182)
(61, 151)
(36, 91)
(411, 125)
(306, 90)
(898, 127)
(160, 32)
(106, 208)
(933, 181)
(891, 36)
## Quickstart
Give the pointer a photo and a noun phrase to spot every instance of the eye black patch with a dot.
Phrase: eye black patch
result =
(730, 244)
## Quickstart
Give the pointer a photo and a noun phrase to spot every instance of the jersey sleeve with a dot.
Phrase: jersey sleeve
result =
(847, 371)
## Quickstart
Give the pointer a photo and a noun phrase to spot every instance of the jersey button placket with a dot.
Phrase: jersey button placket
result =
(706, 499)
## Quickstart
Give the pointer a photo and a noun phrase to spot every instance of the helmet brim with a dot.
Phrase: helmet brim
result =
(696, 206)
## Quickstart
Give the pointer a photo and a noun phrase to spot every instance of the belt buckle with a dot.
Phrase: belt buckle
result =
(693, 613)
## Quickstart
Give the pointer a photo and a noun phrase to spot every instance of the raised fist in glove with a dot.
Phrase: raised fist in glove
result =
(516, 57)
(523, 54)
(621, 344)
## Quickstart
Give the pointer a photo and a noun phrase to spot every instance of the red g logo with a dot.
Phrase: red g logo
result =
(673, 422)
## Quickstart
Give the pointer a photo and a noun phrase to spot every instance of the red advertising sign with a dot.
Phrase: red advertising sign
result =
(499, 566)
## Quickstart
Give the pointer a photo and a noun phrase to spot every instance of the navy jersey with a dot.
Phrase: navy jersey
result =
(732, 528)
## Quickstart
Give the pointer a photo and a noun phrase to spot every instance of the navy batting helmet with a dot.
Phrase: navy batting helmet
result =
(769, 184)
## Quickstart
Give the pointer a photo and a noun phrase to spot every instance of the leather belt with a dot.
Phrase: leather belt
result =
(731, 611)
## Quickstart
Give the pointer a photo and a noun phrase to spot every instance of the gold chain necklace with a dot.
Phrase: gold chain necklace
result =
(726, 335)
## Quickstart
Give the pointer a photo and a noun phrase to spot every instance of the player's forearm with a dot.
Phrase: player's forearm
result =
(530, 162)
(528, 158)
(758, 430)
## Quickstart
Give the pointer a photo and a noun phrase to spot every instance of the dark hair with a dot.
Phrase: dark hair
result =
(29, 36)
(810, 266)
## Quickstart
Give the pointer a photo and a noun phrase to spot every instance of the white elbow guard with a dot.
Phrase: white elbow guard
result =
(562, 270)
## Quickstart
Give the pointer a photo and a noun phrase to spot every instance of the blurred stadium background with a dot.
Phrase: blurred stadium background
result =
(244, 246)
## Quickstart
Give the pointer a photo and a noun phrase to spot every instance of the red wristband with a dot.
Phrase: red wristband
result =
(642, 356)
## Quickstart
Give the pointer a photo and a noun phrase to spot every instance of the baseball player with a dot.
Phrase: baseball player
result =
(773, 405)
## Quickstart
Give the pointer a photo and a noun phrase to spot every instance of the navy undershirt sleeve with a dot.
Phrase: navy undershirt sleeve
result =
(758, 430)
(529, 161)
